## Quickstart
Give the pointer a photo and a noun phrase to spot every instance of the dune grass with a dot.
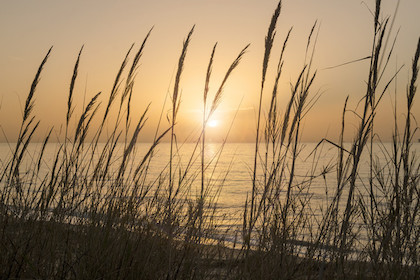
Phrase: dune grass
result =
(95, 215)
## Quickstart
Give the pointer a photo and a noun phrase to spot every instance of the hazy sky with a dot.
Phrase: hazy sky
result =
(108, 28)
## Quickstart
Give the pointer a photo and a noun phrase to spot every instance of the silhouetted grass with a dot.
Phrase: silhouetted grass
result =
(95, 215)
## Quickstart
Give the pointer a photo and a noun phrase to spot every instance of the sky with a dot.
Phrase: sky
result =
(108, 28)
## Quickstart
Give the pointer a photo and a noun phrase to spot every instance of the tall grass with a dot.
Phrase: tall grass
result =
(96, 211)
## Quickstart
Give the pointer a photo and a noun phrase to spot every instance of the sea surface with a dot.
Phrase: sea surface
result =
(229, 170)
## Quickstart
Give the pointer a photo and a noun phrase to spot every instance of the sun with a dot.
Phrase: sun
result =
(213, 123)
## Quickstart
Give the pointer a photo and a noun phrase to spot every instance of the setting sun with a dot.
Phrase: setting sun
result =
(213, 123)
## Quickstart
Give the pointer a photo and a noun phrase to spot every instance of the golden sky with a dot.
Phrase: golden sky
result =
(108, 28)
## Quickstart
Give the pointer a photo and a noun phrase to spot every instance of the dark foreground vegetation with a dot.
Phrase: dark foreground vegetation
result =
(94, 214)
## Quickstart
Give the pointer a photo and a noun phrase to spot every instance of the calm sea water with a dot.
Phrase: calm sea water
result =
(230, 169)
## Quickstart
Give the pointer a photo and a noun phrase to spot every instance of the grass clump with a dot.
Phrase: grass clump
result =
(97, 212)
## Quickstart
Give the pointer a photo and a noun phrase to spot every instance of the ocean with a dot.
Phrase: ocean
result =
(229, 171)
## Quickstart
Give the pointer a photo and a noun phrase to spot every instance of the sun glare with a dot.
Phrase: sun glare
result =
(213, 123)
